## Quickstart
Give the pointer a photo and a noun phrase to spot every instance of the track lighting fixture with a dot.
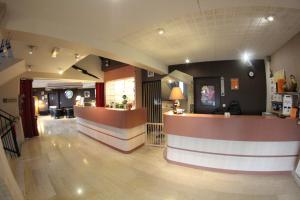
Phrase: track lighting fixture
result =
(31, 48)
(29, 68)
(54, 52)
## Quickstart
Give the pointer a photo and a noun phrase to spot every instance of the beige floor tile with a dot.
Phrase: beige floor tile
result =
(64, 164)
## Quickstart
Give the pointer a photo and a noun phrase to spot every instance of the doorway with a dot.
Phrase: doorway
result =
(207, 96)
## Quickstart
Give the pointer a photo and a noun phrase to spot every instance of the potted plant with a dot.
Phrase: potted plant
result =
(124, 102)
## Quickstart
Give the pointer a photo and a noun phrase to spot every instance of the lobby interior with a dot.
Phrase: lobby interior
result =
(161, 99)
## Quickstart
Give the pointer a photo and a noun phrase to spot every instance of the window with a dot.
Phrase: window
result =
(114, 91)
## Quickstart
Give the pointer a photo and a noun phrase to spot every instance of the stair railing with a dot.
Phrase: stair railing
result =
(8, 133)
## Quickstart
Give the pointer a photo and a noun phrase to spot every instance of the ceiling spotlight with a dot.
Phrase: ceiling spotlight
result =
(187, 61)
(31, 48)
(60, 71)
(270, 18)
(246, 58)
(54, 52)
(29, 68)
(79, 191)
(160, 31)
(5, 51)
(77, 56)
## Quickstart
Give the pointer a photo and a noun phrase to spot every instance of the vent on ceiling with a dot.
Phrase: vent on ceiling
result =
(64, 85)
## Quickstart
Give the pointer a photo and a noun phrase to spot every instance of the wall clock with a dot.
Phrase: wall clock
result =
(69, 94)
(251, 73)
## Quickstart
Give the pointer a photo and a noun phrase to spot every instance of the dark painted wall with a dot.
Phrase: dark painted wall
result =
(145, 78)
(252, 92)
(59, 96)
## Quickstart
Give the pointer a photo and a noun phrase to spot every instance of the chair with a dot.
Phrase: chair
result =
(69, 112)
(58, 113)
(234, 108)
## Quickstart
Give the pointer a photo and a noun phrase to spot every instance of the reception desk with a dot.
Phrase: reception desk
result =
(122, 130)
(251, 144)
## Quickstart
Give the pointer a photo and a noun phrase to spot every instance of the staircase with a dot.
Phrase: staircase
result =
(8, 133)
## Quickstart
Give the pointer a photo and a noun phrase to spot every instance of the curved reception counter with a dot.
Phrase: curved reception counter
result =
(252, 144)
(122, 130)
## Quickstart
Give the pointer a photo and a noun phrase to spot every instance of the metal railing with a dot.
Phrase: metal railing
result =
(8, 133)
(155, 135)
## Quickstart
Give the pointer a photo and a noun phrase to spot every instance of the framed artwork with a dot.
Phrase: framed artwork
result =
(150, 74)
(208, 95)
(87, 94)
(234, 84)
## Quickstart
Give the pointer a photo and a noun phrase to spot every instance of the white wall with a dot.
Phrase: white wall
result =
(11, 89)
(288, 58)
(12, 71)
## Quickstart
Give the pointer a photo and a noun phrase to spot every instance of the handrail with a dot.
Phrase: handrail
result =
(8, 116)
(8, 133)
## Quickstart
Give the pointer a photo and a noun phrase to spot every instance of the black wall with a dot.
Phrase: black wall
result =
(252, 92)
(60, 98)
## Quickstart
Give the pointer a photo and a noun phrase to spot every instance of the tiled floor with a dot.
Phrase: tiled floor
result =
(64, 164)
(4, 192)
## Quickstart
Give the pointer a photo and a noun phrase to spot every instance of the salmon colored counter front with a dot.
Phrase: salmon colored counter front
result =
(123, 130)
(236, 144)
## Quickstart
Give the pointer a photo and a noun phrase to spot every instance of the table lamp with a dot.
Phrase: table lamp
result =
(176, 95)
(78, 99)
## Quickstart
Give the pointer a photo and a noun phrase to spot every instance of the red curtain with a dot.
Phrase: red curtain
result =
(100, 94)
(29, 120)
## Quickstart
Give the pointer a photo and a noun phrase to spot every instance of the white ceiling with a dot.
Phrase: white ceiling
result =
(218, 34)
(126, 29)
(41, 60)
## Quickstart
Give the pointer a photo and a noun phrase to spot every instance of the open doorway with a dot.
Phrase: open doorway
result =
(56, 98)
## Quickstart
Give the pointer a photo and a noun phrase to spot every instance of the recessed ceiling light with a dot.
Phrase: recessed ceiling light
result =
(77, 56)
(29, 68)
(60, 71)
(270, 18)
(79, 191)
(160, 31)
(31, 48)
(246, 58)
(5, 51)
(187, 61)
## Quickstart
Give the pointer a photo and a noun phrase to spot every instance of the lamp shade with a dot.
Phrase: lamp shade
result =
(176, 94)
(78, 98)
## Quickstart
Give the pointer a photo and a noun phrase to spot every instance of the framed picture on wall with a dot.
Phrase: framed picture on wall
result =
(234, 84)
(150, 74)
(87, 94)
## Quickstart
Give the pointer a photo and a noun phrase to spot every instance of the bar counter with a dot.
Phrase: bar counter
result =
(122, 130)
(250, 144)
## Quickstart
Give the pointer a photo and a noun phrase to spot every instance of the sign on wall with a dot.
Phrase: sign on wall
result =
(234, 84)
